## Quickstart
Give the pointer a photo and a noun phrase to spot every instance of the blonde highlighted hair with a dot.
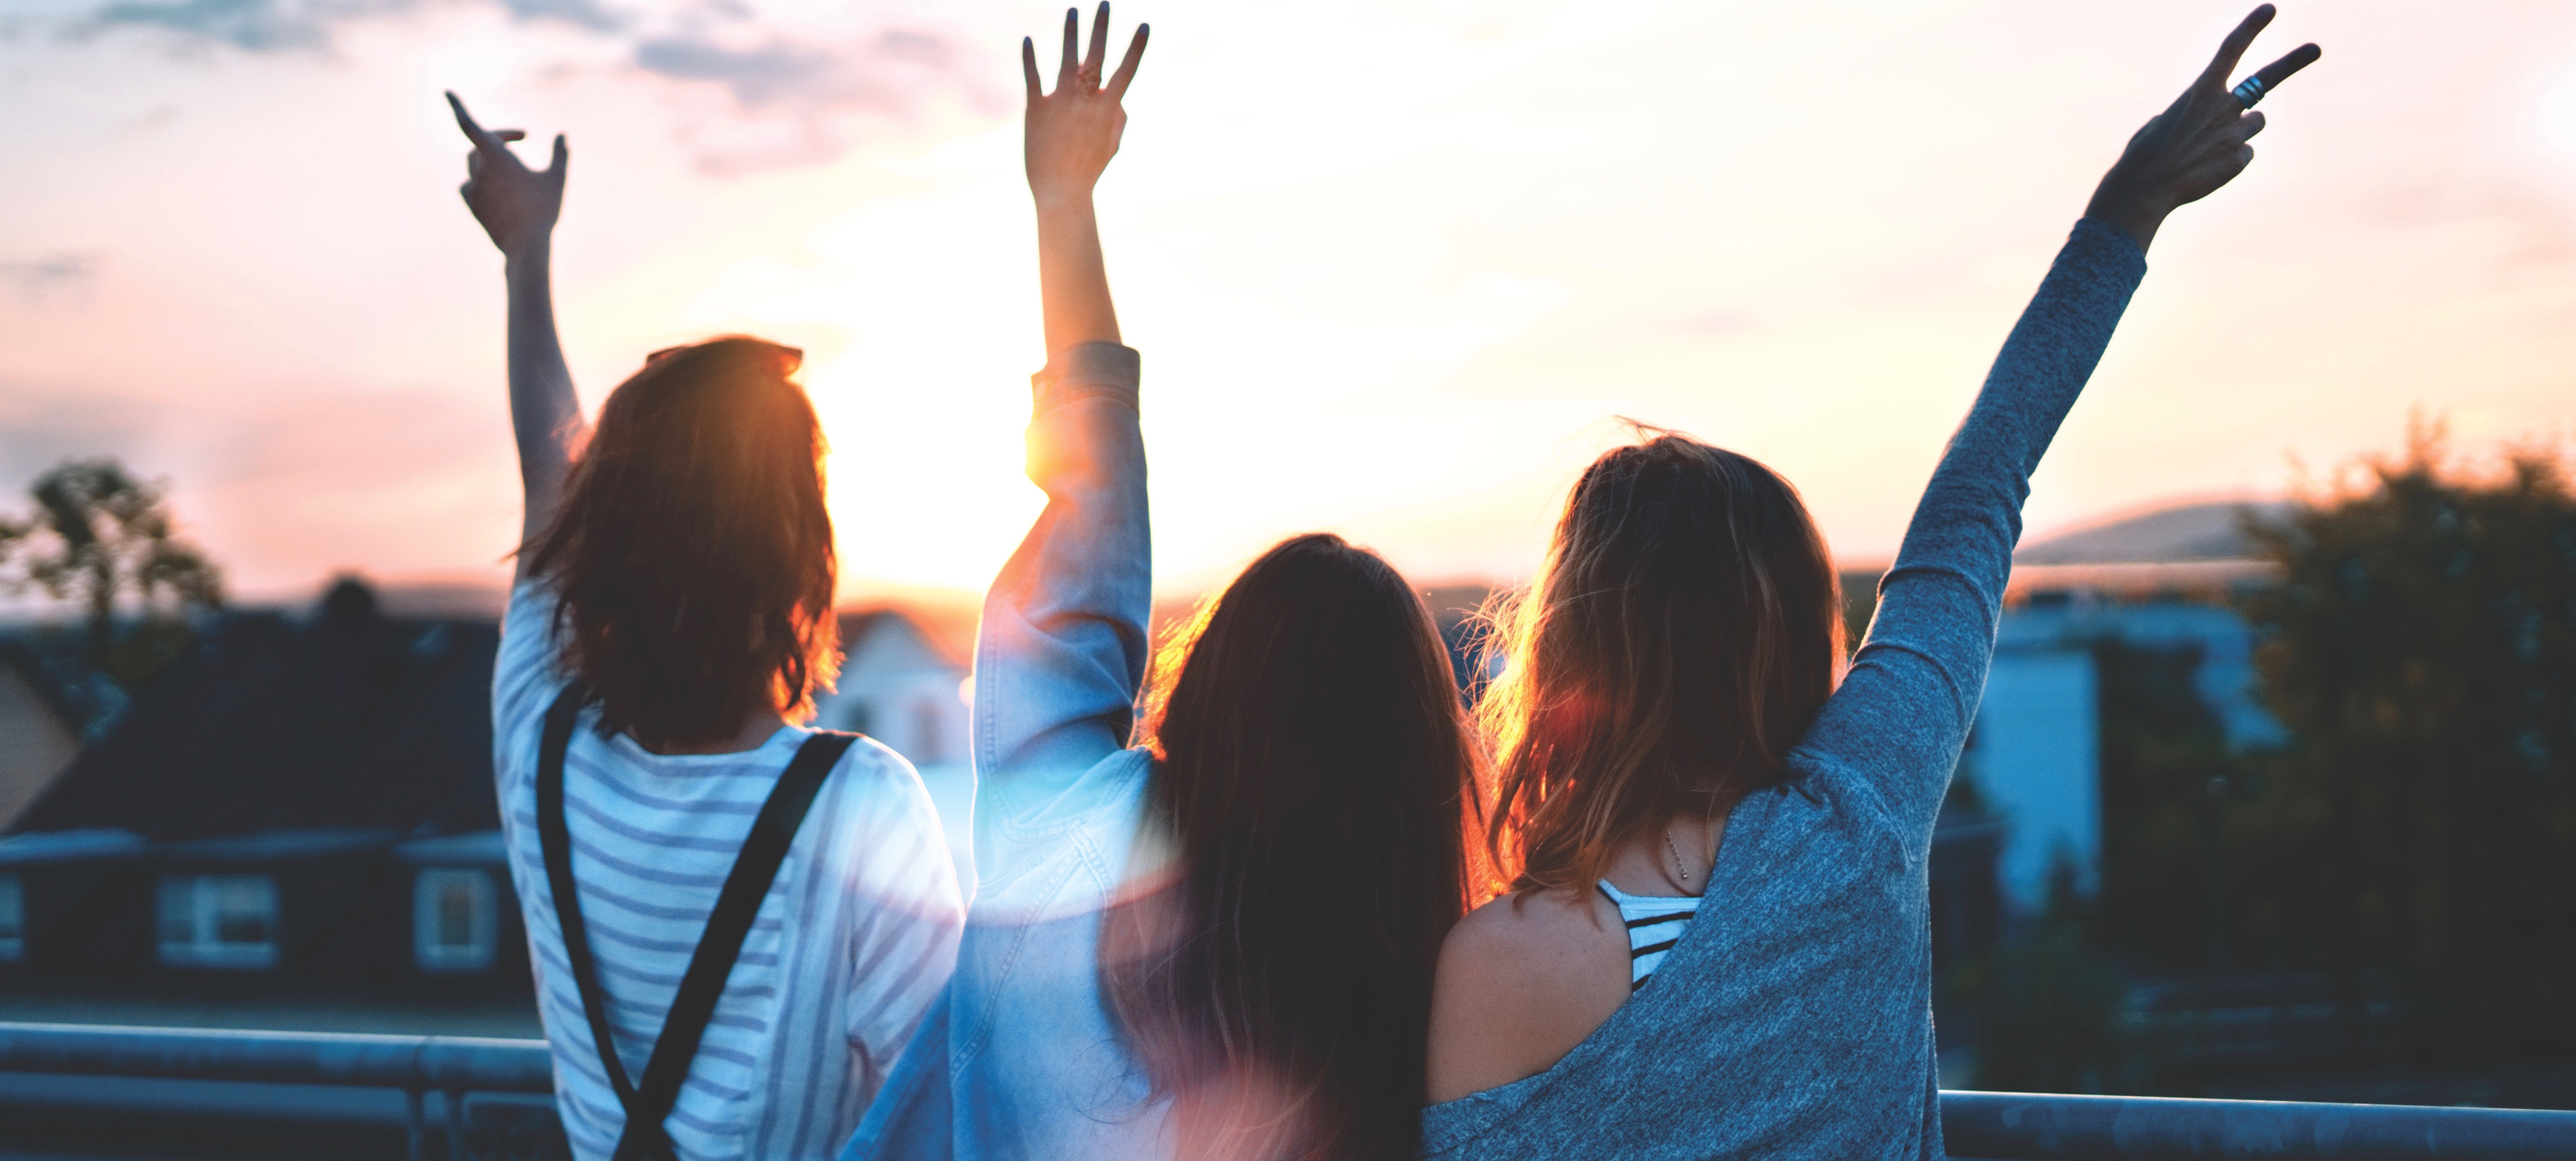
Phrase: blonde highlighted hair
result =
(1683, 631)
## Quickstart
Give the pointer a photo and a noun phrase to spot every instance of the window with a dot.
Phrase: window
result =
(13, 919)
(453, 922)
(929, 734)
(218, 921)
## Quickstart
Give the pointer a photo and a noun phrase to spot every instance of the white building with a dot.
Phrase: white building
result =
(2160, 580)
(904, 683)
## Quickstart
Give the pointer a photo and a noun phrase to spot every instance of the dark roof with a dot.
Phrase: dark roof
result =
(351, 720)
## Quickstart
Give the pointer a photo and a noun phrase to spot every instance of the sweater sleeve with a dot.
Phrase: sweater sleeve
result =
(1899, 721)
(1061, 650)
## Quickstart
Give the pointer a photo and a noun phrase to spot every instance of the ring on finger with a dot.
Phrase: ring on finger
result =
(2248, 92)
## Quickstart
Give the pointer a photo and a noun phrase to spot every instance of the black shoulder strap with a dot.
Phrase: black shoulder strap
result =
(772, 832)
(556, 841)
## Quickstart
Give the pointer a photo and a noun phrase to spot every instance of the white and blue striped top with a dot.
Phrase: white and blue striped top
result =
(1655, 924)
(856, 938)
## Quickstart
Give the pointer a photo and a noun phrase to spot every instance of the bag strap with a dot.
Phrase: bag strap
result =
(773, 831)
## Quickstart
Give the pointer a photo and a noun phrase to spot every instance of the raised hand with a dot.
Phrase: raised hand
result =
(517, 205)
(2198, 144)
(1073, 132)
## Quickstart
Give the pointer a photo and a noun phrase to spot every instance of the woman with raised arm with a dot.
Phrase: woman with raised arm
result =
(1717, 942)
(1214, 939)
(720, 976)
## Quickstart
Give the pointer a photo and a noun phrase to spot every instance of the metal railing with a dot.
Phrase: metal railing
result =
(455, 1067)
(2008, 1126)
(1998, 1126)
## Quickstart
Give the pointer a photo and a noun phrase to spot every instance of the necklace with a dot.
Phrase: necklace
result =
(1677, 856)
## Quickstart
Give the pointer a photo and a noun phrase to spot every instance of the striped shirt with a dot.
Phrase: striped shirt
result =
(853, 942)
(1655, 924)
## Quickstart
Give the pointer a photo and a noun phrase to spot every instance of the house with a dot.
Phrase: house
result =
(298, 802)
(2165, 579)
(905, 681)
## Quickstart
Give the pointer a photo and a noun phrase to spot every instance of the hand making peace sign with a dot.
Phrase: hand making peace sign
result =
(517, 205)
(2199, 143)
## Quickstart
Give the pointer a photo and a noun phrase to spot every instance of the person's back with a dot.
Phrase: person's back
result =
(757, 915)
(1718, 943)
(1206, 930)
(848, 947)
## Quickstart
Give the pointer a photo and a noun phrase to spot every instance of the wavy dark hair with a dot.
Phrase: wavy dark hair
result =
(1316, 793)
(1682, 633)
(692, 553)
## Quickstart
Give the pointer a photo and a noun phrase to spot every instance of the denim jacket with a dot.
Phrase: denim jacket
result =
(1019, 1059)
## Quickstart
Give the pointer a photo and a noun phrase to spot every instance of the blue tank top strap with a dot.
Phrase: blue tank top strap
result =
(1655, 924)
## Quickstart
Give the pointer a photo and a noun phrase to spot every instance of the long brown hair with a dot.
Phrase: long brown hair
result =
(692, 552)
(1316, 789)
(1682, 632)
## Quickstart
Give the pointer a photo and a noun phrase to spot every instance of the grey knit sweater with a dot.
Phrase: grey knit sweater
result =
(1794, 1019)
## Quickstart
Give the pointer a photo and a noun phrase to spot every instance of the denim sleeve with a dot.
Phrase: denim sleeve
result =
(1899, 721)
(1062, 647)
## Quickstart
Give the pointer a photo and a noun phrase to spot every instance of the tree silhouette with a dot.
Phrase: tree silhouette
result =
(2169, 782)
(102, 538)
(2421, 646)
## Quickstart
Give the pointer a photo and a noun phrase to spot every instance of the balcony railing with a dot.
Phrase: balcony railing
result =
(490, 1100)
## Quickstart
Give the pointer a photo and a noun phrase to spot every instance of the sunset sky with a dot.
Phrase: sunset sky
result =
(1394, 265)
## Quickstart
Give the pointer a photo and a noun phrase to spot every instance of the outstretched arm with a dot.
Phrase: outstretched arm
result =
(1902, 714)
(1062, 648)
(517, 207)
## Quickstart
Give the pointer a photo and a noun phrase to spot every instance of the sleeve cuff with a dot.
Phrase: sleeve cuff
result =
(1087, 370)
(2107, 240)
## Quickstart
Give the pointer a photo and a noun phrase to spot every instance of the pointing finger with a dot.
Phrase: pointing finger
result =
(563, 157)
(473, 132)
(1029, 67)
(1127, 67)
(2233, 48)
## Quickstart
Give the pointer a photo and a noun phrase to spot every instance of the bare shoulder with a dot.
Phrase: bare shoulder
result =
(1521, 982)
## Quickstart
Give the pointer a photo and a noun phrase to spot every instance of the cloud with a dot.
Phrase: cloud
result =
(578, 13)
(37, 278)
(44, 424)
(788, 82)
(1717, 322)
(788, 97)
(278, 26)
(756, 76)
(883, 73)
(248, 25)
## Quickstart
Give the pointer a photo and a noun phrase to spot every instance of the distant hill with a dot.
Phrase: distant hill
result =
(463, 600)
(2189, 532)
